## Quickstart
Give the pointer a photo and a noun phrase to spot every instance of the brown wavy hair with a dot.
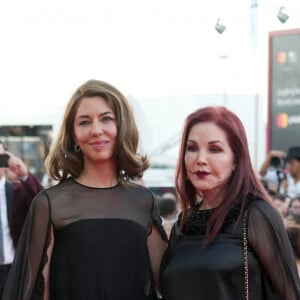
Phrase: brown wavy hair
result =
(243, 182)
(63, 161)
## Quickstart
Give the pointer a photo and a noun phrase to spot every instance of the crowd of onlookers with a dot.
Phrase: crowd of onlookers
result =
(280, 174)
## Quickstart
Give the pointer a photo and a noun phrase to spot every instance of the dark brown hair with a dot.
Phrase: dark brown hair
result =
(243, 182)
(63, 161)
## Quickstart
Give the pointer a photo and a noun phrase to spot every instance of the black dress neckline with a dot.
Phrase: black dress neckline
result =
(197, 219)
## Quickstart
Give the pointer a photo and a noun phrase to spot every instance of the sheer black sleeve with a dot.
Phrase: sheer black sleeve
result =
(269, 240)
(169, 252)
(25, 278)
(156, 218)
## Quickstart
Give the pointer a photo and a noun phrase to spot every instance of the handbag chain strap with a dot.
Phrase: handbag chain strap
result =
(246, 265)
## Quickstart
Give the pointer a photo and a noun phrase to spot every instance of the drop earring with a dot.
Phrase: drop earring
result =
(76, 148)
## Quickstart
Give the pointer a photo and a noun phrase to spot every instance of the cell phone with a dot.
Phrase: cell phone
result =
(4, 160)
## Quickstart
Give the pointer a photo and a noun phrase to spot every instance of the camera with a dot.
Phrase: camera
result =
(277, 162)
(4, 160)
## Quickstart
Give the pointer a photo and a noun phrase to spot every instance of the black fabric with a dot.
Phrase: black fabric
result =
(105, 263)
(100, 249)
(191, 270)
(4, 270)
(9, 191)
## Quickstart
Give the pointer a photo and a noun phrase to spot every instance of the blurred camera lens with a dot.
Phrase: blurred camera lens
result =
(277, 162)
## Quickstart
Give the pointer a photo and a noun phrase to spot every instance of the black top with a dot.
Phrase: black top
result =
(192, 271)
(100, 244)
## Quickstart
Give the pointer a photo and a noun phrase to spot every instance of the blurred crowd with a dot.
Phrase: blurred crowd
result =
(280, 174)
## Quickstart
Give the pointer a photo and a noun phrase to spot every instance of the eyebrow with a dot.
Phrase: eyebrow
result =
(209, 143)
(101, 115)
(215, 142)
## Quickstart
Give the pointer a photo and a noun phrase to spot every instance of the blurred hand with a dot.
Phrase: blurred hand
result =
(16, 165)
(277, 153)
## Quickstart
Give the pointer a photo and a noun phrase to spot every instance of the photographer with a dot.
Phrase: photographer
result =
(272, 172)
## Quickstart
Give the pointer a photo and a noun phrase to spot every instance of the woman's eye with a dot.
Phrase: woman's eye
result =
(215, 149)
(107, 119)
(84, 123)
(191, 148)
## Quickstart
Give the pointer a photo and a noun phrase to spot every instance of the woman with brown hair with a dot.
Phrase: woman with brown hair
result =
(229, 242)
(96, 234)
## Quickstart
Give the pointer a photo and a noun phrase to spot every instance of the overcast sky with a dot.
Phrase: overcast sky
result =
(146, 48)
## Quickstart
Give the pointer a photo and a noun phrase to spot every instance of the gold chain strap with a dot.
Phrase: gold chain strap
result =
(246, 267)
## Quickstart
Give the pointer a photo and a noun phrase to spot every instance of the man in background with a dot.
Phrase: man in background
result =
(15, 199)
(281, 172)
(168, 209)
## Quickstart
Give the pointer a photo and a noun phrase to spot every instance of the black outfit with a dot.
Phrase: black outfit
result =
(4, 271)
(100, 244)
(19, 195)
(193, 271)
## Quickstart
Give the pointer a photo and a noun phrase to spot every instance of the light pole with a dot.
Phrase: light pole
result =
(224, 59)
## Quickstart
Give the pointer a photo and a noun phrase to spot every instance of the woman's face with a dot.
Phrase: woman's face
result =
(294, 167)
(95, 130)
(209, 159)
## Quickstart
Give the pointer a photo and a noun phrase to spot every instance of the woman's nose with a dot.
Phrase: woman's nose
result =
(202, 158)
(97, 128)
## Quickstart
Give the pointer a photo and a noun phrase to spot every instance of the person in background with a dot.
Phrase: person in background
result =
(272, 171)
(168, 211)
(281, 172)
(294, 237)
(281, 202)
(293, 167)
(16, 196)
(95, 235)
(292, 222)
(294, 210)
(229, 242)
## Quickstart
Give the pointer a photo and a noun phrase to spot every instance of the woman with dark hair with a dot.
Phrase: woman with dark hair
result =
(96, 234)
(229, 242)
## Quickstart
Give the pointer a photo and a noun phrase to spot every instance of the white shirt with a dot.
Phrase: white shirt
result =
(271, 175)
(8, 246)
(293, 187)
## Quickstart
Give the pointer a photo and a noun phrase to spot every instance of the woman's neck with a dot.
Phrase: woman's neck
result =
(96, 175)
(211, 199)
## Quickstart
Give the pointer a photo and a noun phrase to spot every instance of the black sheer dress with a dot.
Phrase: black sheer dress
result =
(192, 271)
(100, 244)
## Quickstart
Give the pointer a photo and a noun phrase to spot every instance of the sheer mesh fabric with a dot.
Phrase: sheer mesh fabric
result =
(29, 253)
(269, 241)
(119, 202)
(71, 202)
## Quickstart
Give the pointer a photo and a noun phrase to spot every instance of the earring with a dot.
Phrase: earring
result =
(76, 148)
